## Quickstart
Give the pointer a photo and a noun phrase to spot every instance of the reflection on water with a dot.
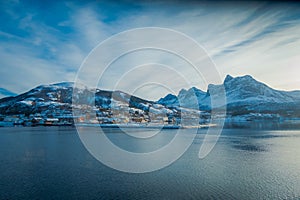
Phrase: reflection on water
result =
(51, 163)
(249, 146)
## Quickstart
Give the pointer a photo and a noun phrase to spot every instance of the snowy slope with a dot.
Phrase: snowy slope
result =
(57, 98)
(186, 98)
(242, 94)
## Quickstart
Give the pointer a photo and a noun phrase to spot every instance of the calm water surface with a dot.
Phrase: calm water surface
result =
(52, 163)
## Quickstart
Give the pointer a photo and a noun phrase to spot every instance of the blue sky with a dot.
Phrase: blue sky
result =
(44, 42)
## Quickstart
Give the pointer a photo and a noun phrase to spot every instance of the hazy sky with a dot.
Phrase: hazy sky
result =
(43, 42)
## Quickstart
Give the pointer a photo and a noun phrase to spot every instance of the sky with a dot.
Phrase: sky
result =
(44, 42)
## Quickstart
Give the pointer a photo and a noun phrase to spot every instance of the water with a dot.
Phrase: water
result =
(52, 163)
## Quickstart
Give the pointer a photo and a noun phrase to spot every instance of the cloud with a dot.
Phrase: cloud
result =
(39, 45)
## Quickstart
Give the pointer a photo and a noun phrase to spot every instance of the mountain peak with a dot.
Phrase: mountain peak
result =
(228, 78)
(182, 91)
(246, 78)
(194, 89)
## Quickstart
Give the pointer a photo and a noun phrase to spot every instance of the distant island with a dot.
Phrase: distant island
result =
(51, 105)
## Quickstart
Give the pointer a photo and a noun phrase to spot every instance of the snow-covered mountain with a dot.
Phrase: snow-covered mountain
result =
(44, 98)
(244, 98)
(185, 98)
(247, 89)
(58, 100)
(243, 95)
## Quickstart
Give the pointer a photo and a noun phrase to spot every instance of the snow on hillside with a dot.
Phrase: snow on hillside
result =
(61, 99)
(245, 98)
(241, 93)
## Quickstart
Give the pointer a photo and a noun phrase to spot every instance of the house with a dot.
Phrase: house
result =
(51, 122)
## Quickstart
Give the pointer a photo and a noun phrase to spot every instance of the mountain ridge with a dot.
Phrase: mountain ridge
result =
(242, 92)
(244, 97)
